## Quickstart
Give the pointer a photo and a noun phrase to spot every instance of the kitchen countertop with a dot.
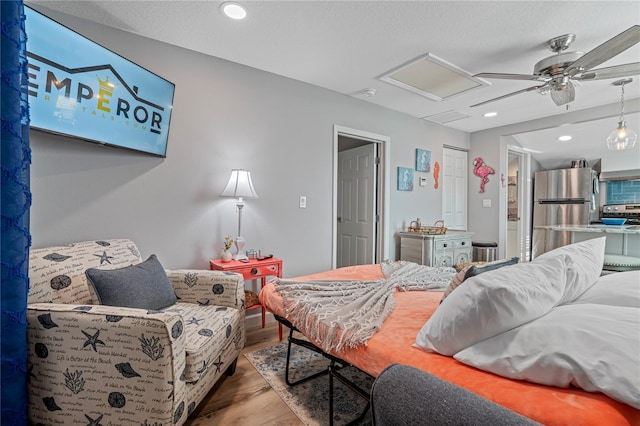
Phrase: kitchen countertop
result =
(611, 229)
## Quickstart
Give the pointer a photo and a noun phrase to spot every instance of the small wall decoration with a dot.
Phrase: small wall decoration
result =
(482, 171)
(423, 160)
(436, 174)
(502, 179)
(405, 179)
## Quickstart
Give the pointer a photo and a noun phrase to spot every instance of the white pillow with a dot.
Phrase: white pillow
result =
(492, 303)
(619, 289)
(594, 347)
(587, 258)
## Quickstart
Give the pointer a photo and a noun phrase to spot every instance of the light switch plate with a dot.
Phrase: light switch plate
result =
(423, 181)
(486, 203)
(303, 201)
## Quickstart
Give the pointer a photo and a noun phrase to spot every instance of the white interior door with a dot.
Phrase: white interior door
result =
(454, 188)
(356, 203)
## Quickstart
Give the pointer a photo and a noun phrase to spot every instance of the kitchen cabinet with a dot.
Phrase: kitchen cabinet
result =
(449, 249)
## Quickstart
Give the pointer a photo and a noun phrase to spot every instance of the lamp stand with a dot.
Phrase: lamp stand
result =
(240, 242)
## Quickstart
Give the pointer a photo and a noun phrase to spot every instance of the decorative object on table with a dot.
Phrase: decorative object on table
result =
(483, 171)
(423, 160)
(251, 298)
(436, 174)
(240, 186)
(622, 137)
(405, 179)
(613, 221)
(438, 228)
(226, 255)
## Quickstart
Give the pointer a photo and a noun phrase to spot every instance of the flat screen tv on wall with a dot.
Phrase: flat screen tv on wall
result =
(80, 89)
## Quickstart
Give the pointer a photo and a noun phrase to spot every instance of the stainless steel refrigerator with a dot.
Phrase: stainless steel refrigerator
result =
(562, 197)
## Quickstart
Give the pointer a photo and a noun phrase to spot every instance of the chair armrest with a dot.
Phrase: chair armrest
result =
(121, 363)
(208, 287)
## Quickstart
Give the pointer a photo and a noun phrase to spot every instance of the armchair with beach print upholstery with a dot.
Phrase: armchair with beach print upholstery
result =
(92, 363)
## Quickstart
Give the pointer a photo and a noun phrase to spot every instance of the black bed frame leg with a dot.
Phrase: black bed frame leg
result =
(333, 372)
(307, 345)
(335, 365)
(331, 394)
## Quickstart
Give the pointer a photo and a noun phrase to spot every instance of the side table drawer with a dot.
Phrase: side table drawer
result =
(462, 243)
(260, 271)
(443, 244)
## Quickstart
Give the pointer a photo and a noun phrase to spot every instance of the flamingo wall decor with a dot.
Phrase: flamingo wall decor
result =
(482, 171)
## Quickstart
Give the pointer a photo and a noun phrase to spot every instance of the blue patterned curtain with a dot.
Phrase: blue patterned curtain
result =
(15, 158)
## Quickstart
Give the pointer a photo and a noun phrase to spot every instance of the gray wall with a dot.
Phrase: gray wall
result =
(225, 116)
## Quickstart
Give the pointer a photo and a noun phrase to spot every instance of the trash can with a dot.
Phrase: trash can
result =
(484, 251)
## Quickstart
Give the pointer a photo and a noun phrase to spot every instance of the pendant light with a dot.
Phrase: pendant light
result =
(622, 137)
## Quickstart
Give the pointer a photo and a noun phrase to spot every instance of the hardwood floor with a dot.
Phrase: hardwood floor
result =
(245, 398)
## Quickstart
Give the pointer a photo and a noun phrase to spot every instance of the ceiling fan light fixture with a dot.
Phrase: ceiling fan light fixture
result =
(622, 137)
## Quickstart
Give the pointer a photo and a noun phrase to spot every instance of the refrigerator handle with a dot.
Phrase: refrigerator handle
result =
(564, 201)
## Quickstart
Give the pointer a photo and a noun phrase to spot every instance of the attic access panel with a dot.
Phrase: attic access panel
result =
(433, 78)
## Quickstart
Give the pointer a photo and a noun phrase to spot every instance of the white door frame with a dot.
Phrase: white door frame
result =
(524, 202)
(384, 191)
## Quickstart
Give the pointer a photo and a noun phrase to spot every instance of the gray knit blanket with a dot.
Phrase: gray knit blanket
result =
(343, 314)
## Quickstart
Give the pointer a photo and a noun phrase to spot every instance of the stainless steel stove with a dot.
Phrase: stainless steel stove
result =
(631, 212)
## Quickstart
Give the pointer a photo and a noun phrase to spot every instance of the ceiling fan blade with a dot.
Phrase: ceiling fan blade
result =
(564, 95)
(509, 76)
(529, 89)
(612, 72)
(606, 51)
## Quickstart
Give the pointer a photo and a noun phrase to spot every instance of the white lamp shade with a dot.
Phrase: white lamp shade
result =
(240, 185)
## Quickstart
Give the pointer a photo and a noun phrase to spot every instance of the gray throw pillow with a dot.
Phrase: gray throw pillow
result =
(479, 269)
(144, 285)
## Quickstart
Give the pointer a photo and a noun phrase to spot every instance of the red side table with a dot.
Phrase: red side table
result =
(254, 269)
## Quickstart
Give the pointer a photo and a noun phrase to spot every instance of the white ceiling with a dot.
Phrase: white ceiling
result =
(345, 46)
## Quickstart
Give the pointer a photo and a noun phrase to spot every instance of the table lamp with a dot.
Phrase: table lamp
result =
(240, 186)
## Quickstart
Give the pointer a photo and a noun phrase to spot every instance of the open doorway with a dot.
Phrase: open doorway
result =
(518, 196)
(360, 197)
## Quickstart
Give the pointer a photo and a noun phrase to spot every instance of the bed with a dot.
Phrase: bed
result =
(394, 343)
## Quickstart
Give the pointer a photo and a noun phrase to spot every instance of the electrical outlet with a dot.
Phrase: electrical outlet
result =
(303, 201)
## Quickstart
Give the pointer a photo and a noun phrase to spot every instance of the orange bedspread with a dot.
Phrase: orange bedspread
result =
(393, 344)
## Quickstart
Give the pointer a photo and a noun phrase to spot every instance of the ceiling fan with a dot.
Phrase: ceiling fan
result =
(558, 72)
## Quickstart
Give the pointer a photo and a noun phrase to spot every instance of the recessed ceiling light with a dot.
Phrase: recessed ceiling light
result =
(565, 138)
(234, 10)
(490, 114)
